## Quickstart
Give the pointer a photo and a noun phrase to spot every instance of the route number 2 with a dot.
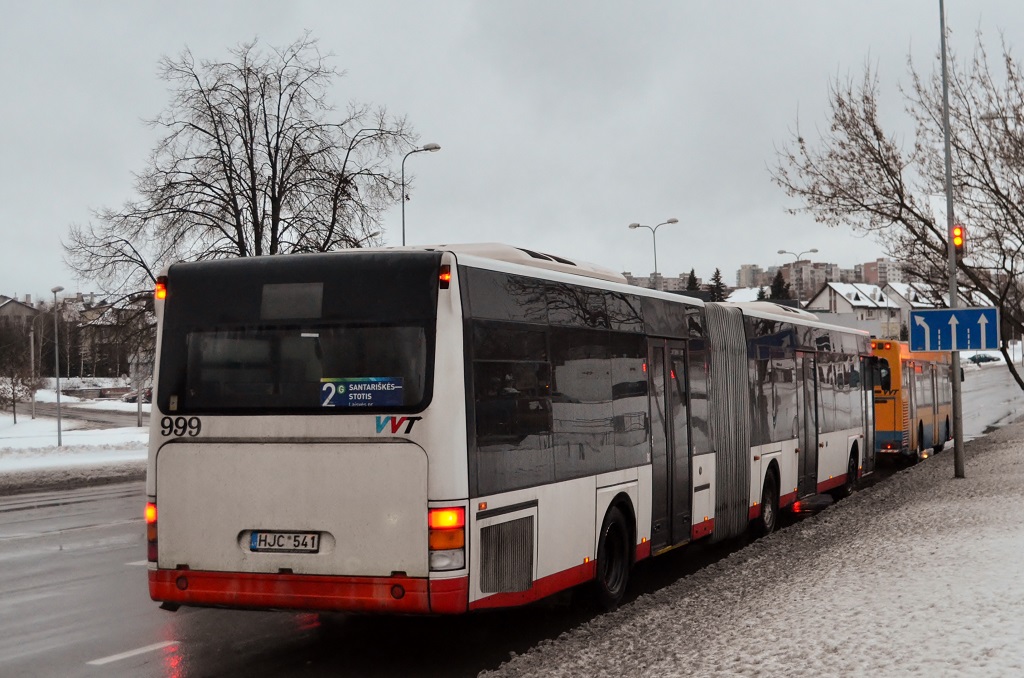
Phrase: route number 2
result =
(179, 426)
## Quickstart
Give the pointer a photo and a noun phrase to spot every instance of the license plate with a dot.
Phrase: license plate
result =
(285, 542)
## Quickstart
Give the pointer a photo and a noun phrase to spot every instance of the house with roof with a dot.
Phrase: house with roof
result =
(858, 305)
(14, 311)
(918, 295)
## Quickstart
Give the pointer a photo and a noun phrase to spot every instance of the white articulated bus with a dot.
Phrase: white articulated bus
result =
(440, 430)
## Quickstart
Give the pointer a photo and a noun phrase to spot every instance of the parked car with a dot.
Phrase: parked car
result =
(133, 395)
(979, 358)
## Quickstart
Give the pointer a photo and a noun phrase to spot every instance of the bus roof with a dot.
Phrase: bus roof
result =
(526, 257)
(772, 311)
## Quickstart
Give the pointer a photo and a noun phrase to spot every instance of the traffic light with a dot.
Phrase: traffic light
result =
(959, 237)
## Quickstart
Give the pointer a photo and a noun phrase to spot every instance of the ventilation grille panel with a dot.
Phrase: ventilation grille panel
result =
(506, 556)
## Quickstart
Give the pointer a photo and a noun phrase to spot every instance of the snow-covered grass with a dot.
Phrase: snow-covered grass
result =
(29, 454)
(50, 396)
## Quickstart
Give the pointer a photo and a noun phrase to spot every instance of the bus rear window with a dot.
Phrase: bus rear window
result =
(302, 368)
(300, 334)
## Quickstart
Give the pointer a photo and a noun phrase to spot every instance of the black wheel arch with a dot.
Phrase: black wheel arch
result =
(624, 503)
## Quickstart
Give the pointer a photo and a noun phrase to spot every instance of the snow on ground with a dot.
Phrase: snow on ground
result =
(50, 396)
(30, 457)
(916, 576)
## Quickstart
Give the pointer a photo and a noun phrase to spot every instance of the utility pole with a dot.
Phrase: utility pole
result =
(958, 416)
(32, 364)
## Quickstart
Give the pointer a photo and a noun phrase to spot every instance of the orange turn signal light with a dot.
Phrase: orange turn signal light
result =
(443, 540)
(161, 287)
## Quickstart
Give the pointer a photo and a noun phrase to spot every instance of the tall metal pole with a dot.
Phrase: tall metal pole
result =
(654, 236)
(425, 147)
(792, 277)
(56, 357)
(403, 194)
(32, 363)
(958, 423)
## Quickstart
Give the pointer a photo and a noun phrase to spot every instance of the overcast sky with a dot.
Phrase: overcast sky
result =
(560, 122)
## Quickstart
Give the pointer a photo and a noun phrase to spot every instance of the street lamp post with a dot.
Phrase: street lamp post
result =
(56, 356)
(654, 237)
(359, 243)
(32, 358)
(813, 250)
(427, 147)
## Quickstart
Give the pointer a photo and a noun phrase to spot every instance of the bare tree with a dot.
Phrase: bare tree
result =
(858, 175)
(254, 160)
(15, 368)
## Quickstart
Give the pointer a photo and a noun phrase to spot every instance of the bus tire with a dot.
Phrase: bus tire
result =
(942, 443)
(916, 456)
(768, 518)
(846, 489)
(614, 559)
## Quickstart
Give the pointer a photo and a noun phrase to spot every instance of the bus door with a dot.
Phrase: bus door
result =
(670, 518)
(807, 443)
(910, 384)
(867, 393)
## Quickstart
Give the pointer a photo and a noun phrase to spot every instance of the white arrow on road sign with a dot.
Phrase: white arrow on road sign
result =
(927, 332)
(953, 322)
(983, 322)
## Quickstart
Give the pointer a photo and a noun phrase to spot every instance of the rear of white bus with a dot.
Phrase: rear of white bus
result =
(308, 435)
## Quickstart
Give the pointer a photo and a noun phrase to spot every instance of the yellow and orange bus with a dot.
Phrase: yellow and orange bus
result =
(913, 401)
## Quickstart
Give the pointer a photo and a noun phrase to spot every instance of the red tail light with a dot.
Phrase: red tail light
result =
(447, 518)
(445, 277)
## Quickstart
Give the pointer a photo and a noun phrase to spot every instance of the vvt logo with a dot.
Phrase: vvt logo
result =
(396, 423)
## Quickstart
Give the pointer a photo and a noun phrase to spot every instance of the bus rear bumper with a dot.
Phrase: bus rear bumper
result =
(243, 590)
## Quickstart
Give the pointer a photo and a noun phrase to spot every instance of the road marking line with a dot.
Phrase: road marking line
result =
(131, 653)
(138, 562)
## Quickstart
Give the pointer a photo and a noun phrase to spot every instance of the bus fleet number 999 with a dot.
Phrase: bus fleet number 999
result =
(179, 426)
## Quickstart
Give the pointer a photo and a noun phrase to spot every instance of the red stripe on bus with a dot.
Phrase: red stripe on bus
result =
(785, 500)
(643, 550)
(449, 596)
(831, 483)
(309, 592)
(543, 587)
(702, 529)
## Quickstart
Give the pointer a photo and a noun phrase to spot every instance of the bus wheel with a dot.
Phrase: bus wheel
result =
(942, 443)
(765, 523)
(920, 445)
(614, 559)
(846, 489)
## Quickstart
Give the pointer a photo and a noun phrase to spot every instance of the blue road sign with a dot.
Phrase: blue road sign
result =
(954, 329)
